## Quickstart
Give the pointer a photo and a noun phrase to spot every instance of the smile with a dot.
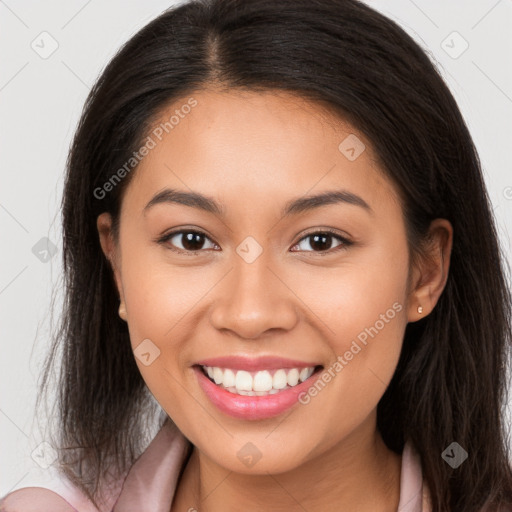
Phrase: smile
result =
(257, 383)
(257, 392)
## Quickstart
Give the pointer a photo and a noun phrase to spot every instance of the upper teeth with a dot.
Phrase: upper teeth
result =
(260, 381)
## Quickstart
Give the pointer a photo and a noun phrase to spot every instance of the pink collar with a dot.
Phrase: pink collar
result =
(151, 482)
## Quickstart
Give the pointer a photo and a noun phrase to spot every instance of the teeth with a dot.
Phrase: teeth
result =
(260, 383)
(293, 377)
(243, 380)
(229, 378)
(263, 381)
(279, 380)
(218, 375)
(305, 373)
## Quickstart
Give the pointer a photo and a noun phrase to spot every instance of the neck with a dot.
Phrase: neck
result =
(359, 473)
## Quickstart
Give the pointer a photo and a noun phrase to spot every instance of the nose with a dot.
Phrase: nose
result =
(254, 299)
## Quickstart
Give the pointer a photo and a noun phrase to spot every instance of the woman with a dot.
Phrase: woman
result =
(276, 226)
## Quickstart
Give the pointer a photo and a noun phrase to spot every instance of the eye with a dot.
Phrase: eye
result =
(186, 240)
(189, 241)
(321, 241)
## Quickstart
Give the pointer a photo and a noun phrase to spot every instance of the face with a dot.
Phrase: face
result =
(323, 285)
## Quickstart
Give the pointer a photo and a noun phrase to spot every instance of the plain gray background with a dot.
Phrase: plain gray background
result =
(41, 97)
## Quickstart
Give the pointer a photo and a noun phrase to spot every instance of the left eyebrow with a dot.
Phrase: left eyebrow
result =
(306, 203)
(293, 207)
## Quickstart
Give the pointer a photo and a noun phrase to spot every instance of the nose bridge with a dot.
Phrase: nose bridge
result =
(253, 299)
(252, 291)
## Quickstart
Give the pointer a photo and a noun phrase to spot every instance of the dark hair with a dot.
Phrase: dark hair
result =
(450, 381)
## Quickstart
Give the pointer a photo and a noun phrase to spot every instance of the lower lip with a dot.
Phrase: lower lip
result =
(252, 407)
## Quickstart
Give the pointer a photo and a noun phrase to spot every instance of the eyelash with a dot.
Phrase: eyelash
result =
(345, 243)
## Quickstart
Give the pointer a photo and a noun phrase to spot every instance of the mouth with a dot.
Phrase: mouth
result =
(255, 394)
(258, 383)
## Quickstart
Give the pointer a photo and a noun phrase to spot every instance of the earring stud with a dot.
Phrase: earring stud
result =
(420, 309)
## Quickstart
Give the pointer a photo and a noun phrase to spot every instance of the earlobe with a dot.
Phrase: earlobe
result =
(433, 272)
(122, 311)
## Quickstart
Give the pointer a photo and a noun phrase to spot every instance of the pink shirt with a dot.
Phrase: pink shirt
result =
(150, 484)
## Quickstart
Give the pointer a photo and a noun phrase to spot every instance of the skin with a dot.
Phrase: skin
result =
(253, 152)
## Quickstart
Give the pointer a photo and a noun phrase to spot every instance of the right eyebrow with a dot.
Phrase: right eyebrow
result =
(193, 199)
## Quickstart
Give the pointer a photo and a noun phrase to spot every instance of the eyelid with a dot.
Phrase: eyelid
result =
(167, 236)
(331, 231)
(344, 239)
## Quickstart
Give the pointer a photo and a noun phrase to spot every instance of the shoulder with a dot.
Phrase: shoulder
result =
(48, 491)
(34, 499)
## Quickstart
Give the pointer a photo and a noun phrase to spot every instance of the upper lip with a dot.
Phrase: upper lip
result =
(254, 363)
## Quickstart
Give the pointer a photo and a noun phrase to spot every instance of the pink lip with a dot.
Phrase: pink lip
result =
(254, 364)
(252, 407)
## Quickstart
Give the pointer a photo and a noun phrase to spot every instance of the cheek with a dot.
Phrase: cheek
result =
(357, 295)
(361, 310)
(158, 295)
(160, 302)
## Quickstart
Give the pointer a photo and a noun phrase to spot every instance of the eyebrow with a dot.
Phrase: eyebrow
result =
(293, 207)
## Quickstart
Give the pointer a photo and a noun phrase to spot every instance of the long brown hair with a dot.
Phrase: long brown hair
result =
(450, 381)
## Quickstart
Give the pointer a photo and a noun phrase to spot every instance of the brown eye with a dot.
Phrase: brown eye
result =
(187, 240)
(322, 241)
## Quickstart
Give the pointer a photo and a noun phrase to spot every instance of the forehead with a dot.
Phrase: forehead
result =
(255, 149)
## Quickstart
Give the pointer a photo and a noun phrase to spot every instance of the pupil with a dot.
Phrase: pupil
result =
(193, 238)
(319, 241)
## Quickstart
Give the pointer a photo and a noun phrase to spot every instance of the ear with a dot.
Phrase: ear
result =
(110, 250)
(430, 274)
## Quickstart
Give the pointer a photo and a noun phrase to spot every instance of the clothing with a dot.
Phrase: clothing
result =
(150, 484)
